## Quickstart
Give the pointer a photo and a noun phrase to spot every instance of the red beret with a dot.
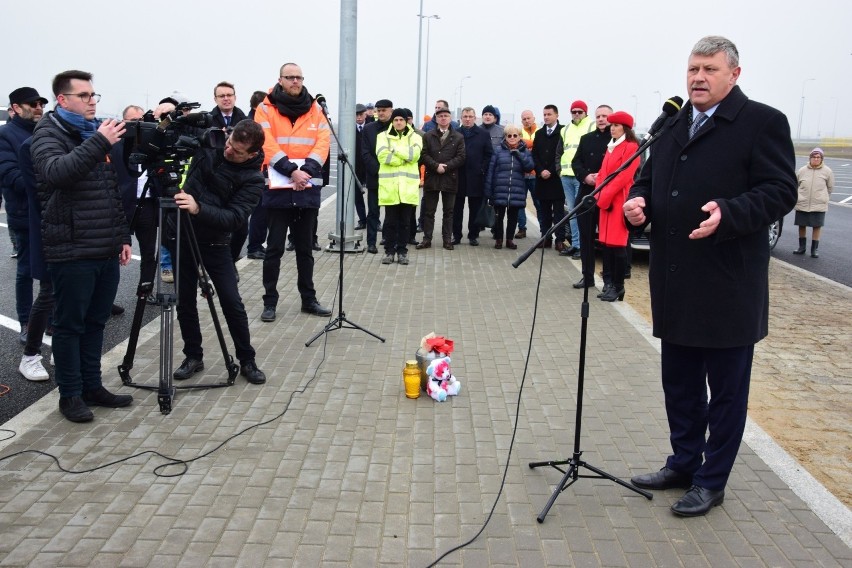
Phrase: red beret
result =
(580, 105)
(621, 117)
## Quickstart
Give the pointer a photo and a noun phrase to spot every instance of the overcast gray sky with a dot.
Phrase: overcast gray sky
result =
(519, 54)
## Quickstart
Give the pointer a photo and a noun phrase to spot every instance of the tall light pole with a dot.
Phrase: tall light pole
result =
(834, 124)
(635, 110)
(802, 108)
(461, 101)
(426, 87)
(419, 54)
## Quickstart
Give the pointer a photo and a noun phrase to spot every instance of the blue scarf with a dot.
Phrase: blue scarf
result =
(87, 128)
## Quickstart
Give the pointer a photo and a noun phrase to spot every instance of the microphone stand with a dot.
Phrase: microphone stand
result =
(575, 463)
(341, 321)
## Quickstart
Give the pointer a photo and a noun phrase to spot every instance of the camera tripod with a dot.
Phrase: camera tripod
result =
(167, 300)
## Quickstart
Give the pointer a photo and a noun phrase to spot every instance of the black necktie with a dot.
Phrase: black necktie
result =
(227, 121)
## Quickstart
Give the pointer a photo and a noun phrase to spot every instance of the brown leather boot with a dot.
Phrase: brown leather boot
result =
(498, 244)
(511, 245)
(424, 244)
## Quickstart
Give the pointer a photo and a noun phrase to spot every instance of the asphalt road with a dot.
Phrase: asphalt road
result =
(834, 263)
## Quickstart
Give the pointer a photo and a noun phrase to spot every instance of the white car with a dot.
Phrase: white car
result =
(4, 115)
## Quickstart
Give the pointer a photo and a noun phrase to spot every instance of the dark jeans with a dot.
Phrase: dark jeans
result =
(552, 210)
(300, 224)
(373, 213)
(687, 371)
(396, 229)
(23, 279)
(145, 229)
(219, 264)
(473, 206)
(511, 216)
(40, 317)
(83, 291)
(430, 205)
(257, 229)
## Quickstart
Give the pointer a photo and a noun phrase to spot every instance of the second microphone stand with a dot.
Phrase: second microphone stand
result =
(575, 463)
(341, 321)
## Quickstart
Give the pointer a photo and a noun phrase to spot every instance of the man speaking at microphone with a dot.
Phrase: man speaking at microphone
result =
(297, 141)
(721, 173)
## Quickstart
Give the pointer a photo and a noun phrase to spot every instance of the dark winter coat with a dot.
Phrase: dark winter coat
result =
(451, 152)
(226, 193)
(82, 214)
(713, 292)
(546, 153)
(219, 121)
(38, 268)
(505, 184)
(589, 157)
(368, 152)
(478, 152)
(12, 135)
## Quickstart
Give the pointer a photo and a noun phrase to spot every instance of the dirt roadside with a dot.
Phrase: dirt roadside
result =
(801, 388)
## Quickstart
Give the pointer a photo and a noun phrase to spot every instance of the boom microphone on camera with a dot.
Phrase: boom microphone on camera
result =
(320, 99)
(670, 108)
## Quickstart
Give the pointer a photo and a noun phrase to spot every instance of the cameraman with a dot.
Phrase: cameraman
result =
(222, 189)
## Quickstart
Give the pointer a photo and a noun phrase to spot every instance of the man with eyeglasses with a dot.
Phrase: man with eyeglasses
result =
(226, 113)
(432, 123)
(85, 237)
(297, 142)
(223, 186)
(28, 106)
(580, 124)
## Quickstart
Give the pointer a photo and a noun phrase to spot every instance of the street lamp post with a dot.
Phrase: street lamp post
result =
(461, 102)
(419, 55)
(426, 81)
(834, 123)
(802, 108)
(635, 110)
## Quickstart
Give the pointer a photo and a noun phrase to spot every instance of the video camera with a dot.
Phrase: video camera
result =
(163, 145)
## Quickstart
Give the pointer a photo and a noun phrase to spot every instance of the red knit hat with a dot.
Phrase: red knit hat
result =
(621, 117)
(580, 105)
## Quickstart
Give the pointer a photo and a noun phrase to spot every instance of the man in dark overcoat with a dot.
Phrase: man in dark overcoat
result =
(721, 173)
(478, 151)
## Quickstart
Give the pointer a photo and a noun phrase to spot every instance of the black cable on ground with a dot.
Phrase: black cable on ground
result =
(514, 427)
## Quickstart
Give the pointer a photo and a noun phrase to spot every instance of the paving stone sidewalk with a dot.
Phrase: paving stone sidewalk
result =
(335, 467)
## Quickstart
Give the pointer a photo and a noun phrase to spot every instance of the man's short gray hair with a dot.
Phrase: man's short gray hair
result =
(711, 45)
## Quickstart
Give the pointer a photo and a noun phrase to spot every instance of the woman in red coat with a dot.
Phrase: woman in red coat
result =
(612, 231)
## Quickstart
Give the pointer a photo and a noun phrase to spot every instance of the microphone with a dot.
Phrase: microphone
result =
(320, 99)
(670, 108)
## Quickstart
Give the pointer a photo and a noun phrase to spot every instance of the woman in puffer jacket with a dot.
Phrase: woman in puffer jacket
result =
(505, 187)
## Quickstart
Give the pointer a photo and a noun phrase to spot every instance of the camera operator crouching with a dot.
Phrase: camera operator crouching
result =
(222, 188)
